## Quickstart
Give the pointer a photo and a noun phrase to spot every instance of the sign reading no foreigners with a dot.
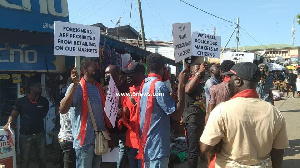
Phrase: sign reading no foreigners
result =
(182, 41)
(206, 45)
(76, 40)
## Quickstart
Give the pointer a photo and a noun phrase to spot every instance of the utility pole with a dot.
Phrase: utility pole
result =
(214, 31)
(142, 25)
(293, 32)
(237, 34)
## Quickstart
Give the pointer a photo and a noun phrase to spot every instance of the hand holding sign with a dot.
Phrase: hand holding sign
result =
(75, 76)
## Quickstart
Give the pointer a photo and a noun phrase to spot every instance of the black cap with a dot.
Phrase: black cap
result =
(226, 65)
(245, 70)
(135, 67)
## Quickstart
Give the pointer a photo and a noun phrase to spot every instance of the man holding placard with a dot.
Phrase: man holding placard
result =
(77, 96)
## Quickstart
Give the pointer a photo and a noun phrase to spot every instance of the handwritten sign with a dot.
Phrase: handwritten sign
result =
(206, 45)
(182, 40)
(112, 102)
(76, 40)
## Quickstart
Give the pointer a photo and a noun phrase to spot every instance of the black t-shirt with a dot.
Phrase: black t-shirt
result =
(192, 111)
(292, 78)
(31, 114)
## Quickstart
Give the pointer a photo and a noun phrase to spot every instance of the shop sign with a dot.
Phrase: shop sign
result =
(4, 76)
(33, 58)
(38, 15)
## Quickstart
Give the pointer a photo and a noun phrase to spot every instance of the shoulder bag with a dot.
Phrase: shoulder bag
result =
(101, 137)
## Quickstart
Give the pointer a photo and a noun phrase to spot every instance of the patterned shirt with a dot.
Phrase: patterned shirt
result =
(65, 132)
(263, 89)
(209, 83)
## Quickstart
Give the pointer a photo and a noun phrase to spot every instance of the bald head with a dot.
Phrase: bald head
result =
(112, 69)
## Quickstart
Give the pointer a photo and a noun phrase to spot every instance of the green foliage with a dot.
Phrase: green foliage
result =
(298, 17)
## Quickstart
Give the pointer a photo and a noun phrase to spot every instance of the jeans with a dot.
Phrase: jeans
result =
(133, 162)
(158, 163)
(193, 133)
(86, 158)
(120, 139)
(69, 155)
(38, 142)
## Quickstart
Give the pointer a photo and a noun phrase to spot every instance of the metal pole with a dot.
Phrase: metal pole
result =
(77, 64)
(293, 32)
(228, 40)
(237, 34)
(142, 25)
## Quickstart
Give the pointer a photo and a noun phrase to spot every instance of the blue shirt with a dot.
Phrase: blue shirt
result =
(263, 89)
(96, 103)
(158, 143)
(208, 84)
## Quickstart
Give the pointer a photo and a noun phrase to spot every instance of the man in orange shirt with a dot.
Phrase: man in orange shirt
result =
(136, 75)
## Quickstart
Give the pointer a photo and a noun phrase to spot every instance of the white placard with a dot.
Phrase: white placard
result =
(111, 156)
(206, 45)
(112, 102)
(76, 40)
(182, 40)
(238, 57)
(126, 60)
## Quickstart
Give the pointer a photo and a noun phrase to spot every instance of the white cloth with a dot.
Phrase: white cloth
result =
(298, 84)
(65, 132)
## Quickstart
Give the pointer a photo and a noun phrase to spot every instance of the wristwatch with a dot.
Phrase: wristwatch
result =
(197, 74)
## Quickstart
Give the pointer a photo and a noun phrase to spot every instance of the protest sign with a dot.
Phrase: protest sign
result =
(206, 45)
(182, 40)
(76, 40)
(7, 149)
(112, 102)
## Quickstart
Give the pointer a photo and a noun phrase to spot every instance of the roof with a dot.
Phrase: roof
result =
(266, 47)
(124, 31)
(102, 27)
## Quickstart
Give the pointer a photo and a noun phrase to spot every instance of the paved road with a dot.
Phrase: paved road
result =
(290, 109)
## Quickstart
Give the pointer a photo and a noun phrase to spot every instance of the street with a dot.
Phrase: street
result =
(290, 109)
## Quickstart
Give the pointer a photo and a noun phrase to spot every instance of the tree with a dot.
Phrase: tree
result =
(298, 17)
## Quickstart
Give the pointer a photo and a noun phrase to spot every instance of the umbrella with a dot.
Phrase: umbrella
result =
(290, 67)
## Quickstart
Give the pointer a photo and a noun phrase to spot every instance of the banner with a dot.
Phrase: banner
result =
(76, 40)
(112, 102)
(182, 40)
(238, 57)
(7, 149)
(206, 45)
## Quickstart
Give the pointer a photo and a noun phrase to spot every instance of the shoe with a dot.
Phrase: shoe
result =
(286, 96)
(293, 97)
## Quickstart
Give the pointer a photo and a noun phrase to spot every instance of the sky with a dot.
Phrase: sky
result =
(262, 22)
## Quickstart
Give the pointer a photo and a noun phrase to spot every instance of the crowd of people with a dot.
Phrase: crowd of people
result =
(229, 119)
